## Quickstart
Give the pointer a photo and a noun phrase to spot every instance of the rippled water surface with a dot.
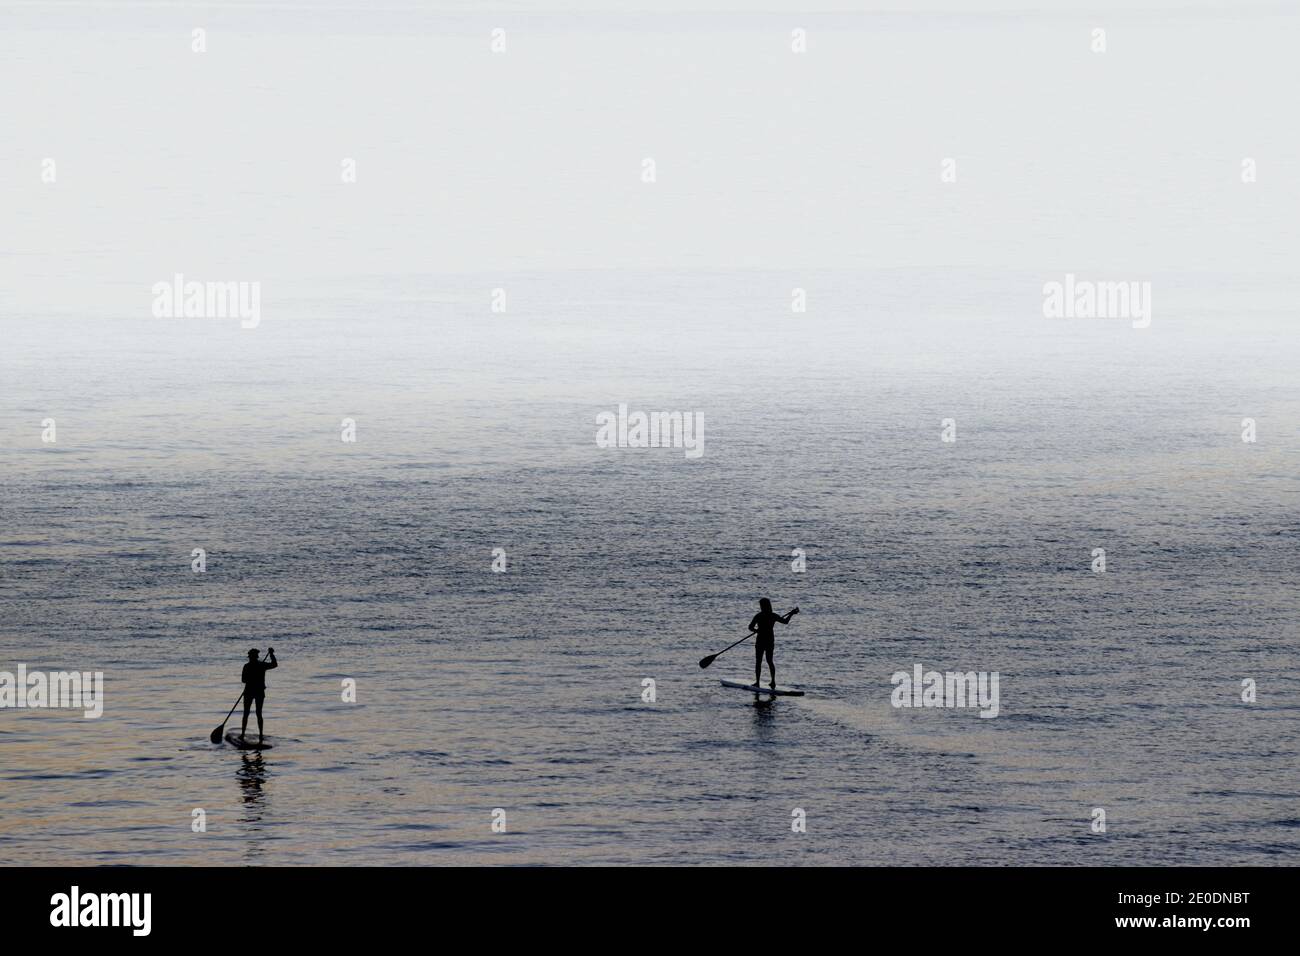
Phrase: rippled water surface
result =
(523, 690)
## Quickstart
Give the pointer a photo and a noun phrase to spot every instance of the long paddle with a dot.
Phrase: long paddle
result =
(706, 661)
(215, 736)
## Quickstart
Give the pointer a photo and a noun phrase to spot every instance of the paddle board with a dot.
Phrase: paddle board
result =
(248, 743)
(757, 689)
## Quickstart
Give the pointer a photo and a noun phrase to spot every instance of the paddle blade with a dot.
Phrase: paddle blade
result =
(215, 736)
(706, 661)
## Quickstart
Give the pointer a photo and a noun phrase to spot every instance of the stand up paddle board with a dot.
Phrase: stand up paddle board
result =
(757, 689)
(247, 743)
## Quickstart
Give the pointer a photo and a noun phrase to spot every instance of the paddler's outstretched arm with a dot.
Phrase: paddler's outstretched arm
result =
(786, 620)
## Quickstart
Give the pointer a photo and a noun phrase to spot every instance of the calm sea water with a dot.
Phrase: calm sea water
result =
(523, 690)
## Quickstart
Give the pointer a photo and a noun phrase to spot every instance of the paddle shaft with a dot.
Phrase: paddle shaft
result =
(705, 662)
(741, 641)
(232, 709)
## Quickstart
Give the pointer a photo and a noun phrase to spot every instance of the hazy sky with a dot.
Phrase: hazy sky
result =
(227, 164)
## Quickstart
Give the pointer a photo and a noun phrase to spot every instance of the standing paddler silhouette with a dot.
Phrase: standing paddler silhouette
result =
(766, 640)
(254, 678)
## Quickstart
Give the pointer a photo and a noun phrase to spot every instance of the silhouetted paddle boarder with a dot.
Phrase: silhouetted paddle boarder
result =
(254, 678)
(766, 641)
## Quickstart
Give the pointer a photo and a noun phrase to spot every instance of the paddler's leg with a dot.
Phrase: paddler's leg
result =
(247, 704)
(771, 669)
(260, 734)
(758, 663)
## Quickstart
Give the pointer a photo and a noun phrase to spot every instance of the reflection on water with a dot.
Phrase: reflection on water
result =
(766, 712)
(251, 776)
